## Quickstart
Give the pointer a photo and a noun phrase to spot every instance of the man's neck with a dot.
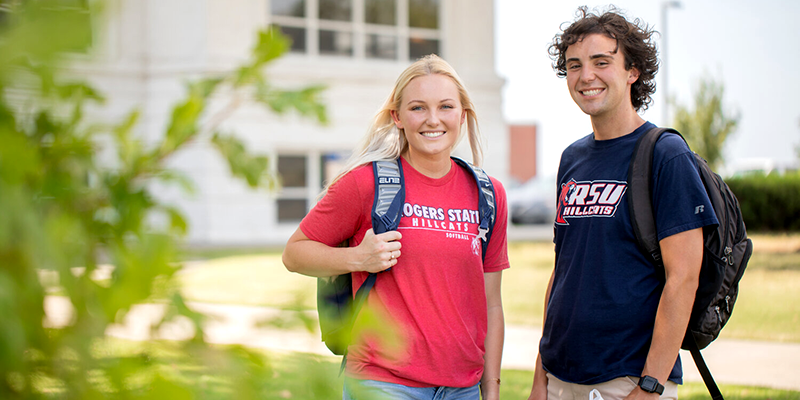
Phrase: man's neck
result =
(608, 127)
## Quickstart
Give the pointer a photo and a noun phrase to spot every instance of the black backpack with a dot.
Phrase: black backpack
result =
(336, 305)
(726, 249)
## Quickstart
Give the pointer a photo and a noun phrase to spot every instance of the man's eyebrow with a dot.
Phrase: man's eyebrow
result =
(592, 57)
(602, 55)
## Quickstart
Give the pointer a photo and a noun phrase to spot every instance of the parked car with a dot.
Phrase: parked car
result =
(533, 202)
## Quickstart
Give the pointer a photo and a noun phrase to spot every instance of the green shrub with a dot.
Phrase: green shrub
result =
(769, 202)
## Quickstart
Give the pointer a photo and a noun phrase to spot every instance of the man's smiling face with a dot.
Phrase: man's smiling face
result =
(596, 76)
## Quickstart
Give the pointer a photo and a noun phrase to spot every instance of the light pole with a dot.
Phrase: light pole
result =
(666, 5)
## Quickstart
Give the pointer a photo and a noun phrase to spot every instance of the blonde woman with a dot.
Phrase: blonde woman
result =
(441, 297)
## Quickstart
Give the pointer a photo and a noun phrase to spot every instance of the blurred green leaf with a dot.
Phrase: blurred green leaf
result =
(184, 124)
(253, 169)
(306, 101)
(270, 45)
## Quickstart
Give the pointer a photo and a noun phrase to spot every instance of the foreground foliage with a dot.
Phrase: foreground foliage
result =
(67, 218)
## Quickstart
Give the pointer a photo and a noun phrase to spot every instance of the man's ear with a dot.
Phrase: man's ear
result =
(633, 75)
(396, 119)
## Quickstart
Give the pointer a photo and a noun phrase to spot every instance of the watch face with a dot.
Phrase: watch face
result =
(650, 384)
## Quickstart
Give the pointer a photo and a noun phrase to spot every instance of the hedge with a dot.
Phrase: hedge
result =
(770, 203)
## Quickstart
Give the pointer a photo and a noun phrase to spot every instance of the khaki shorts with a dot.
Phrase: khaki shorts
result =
(615, 389)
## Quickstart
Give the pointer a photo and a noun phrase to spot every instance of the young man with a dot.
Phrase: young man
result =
(613, 322)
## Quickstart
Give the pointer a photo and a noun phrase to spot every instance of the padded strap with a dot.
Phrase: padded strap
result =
(386, 213)
(389, 195)
(640, 203)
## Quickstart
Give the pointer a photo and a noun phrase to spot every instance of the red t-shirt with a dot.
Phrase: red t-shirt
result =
(434, 297)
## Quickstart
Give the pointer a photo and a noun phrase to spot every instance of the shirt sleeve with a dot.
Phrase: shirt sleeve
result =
(679, 198)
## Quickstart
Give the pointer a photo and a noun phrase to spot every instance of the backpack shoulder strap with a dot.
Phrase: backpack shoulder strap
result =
(386, 209)
(640, 176)
(487, 208)
(389, 195)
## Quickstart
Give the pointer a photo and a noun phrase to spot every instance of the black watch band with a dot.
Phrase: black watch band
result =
(650, 385)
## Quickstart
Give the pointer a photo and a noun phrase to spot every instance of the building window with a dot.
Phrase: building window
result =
(289, 8)
(292, 204)
(369, 29)
(335, 43)
(418, 47)
(336, 10)
(380, 12)
(381, 46)
(303, 176)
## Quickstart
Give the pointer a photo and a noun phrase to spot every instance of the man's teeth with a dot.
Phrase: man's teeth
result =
(432, 134)
(591, 92)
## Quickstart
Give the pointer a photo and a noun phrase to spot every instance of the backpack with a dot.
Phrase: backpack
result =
(726, 248)
(336, 305)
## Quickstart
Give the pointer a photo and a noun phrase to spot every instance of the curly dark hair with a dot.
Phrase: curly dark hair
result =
(633, 38)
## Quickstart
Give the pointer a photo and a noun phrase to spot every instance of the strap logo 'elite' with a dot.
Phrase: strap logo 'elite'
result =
(588, 199)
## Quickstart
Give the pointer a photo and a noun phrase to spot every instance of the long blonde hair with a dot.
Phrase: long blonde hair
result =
(385, 141)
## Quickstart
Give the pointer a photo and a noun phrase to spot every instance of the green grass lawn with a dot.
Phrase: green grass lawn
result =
(305, 376)
(517, 385)
(768, 307)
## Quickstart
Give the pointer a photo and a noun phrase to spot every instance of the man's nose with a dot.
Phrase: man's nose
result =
(587, 74)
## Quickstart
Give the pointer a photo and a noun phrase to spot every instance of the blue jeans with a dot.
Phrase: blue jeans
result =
(355, 389)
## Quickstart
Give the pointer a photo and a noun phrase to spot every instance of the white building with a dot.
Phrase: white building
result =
(147, 49)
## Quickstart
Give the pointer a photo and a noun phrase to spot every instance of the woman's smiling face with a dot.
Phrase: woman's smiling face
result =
(430, 115)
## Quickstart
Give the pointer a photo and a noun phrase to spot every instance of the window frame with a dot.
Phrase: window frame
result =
(315, 179)
(360, 29)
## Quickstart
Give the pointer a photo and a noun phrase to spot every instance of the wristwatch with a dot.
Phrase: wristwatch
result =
(650, 385)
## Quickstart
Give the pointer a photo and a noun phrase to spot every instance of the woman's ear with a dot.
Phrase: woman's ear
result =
(396, 119)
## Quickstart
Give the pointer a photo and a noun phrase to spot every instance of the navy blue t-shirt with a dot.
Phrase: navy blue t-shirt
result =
(604, 296)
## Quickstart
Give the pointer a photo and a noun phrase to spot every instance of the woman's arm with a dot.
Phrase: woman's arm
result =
(374, 254)
(490, 385)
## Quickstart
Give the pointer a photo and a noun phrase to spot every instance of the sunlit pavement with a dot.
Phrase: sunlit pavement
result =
(730, 361)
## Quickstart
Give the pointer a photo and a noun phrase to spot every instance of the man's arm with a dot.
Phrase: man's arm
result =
(539, 388)
(683, 256)
(490, 388)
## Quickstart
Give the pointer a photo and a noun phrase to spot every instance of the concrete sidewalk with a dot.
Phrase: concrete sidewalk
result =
(739, 362)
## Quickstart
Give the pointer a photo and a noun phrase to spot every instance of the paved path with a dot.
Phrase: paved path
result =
(743, 362)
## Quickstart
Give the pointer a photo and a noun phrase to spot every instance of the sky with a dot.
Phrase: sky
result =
(752, 47)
